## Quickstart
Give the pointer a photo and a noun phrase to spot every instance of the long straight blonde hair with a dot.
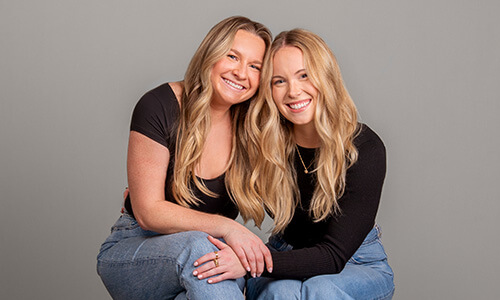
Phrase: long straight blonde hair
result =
(335, 119)
(194, 123)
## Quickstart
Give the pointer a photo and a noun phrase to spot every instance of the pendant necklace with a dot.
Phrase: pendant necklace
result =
(306, 169)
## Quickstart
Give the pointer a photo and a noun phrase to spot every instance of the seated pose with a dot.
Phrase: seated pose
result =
(321, 175)
(187, 167)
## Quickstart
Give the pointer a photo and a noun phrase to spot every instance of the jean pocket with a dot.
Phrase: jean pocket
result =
(369, 253)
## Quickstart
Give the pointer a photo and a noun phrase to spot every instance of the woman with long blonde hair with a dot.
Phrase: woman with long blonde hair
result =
(187, 167)
(320, 174)
(331, 168)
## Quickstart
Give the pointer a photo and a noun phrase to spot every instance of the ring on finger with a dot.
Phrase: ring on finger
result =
(216, 259)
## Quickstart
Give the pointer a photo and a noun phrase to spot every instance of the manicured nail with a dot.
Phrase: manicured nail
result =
(195, 263)
(210, 281)
(248, 269)
(195, 273)
(270, 270)
(200, 277)
(253, 275)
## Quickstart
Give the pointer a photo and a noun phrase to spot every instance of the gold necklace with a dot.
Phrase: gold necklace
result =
(302, 161)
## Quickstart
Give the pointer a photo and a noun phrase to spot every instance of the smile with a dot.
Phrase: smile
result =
(232, 84)
(299, 105)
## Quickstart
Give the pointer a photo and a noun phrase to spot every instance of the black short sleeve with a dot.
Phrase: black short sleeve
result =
(156, 114)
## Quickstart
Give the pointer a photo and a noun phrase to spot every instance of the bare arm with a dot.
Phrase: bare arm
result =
(147, 165)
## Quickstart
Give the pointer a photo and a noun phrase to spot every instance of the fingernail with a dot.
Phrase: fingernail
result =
(253, 275)
(195, 273)
(258, 275)
(210, 281)
(200, 277)
(270, 270)
(248, 269)
(195, 263)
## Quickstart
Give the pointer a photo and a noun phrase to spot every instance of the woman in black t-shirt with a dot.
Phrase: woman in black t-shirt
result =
(187, 167)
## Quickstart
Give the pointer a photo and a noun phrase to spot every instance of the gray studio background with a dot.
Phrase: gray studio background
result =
(424, 75)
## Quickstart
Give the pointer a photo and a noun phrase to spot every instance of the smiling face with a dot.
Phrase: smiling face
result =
(293, 92)
(235, 77)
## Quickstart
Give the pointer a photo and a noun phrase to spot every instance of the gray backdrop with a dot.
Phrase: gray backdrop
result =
(424, 75)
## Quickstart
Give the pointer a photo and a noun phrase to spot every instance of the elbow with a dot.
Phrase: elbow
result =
(143, 221)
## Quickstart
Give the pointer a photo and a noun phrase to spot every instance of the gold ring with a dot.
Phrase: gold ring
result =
(216, 259)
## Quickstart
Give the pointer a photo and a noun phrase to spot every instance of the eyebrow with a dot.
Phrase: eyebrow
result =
(258, 62)
(299, 71)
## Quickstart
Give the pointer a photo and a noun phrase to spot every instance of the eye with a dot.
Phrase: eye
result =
(278, 81)
(255, 67)
(231, 56)
(303, 76)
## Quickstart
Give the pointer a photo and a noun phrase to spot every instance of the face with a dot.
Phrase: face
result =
(235, 77)
(293, 92)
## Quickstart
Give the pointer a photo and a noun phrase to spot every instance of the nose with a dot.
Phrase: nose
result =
(240, 71)
(294, 89)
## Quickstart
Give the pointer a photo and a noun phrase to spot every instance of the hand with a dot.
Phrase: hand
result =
(125, 193)
(250, 250)
(229, 265)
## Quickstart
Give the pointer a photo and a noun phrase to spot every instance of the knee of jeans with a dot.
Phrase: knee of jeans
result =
(198, 243)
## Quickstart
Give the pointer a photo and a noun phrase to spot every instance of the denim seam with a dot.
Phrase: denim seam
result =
(140, 261)
(180, 268)
(126, 227)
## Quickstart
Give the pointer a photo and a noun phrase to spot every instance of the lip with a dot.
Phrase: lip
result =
(233, 85)
(299, 106)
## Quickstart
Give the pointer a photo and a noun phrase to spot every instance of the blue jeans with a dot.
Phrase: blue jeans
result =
(137, 264)
(367, 275)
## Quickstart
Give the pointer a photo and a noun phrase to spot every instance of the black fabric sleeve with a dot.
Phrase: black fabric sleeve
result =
(155, 113)
(345, 232)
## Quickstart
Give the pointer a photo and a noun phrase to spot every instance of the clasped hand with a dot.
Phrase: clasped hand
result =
(226, 264)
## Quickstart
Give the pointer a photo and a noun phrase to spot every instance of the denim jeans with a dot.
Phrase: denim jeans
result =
(137, 264)
(367, 275)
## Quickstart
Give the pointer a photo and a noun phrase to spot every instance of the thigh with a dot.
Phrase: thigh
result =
(138, 264)
(354, 282)
(263, 288)
(367, 275)
(148, 267)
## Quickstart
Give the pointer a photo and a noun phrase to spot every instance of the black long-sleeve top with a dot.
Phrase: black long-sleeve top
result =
(325, 247)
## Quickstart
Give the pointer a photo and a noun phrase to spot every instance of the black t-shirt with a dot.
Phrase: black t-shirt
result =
(325, 247)
(156, 116)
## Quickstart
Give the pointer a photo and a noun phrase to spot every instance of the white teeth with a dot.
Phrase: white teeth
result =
(299, 105)
(236, 86)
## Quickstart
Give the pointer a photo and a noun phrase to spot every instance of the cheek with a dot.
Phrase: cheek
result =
(276, 96)
(255, 79)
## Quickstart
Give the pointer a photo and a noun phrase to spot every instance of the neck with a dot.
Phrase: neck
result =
(306, 136)
(219, 114)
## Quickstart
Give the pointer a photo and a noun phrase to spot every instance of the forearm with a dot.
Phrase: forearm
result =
(166, 217)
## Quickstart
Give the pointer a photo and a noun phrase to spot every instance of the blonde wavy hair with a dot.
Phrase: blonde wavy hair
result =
(194, 123)
(274, 175)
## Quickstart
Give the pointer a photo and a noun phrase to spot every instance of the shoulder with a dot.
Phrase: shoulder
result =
(156, 115)
(164, 94)
(160, 102)
(367, 138)
(371, 149)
